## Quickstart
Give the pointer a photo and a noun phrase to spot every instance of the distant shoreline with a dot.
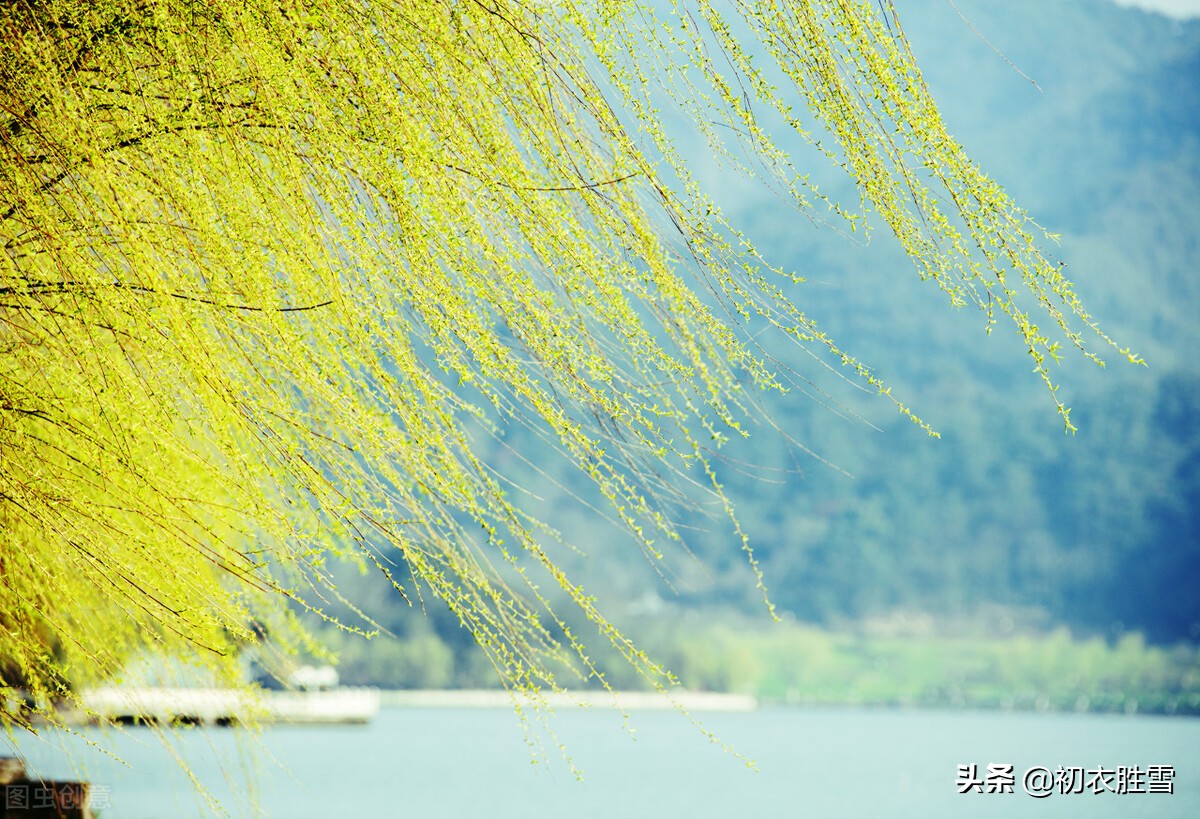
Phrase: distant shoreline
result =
(616, 700)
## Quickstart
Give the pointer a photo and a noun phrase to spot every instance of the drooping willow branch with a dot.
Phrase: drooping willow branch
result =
(273, 271)
(39, 288)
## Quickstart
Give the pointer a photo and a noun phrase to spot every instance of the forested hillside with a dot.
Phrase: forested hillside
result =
(1098, 531)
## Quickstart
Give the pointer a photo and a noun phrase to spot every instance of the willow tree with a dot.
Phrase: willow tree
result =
(273, 271)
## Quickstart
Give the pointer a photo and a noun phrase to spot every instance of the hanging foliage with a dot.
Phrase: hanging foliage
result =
(271, 269)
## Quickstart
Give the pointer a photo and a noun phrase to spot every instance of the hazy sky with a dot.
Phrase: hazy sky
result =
(1172, 8)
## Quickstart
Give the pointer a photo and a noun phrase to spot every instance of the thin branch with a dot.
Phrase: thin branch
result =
(1000, 53)
(65, 287)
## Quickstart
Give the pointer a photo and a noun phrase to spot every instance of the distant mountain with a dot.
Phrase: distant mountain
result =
(1099, 531)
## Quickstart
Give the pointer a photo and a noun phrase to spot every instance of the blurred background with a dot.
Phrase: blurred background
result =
(1007, 563)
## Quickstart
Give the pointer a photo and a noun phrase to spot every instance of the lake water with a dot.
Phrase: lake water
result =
(480, 763)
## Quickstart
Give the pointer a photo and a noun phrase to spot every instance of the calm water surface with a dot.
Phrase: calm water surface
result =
(481, 763)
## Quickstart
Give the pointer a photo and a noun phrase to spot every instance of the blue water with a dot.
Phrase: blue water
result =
(480, 762)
